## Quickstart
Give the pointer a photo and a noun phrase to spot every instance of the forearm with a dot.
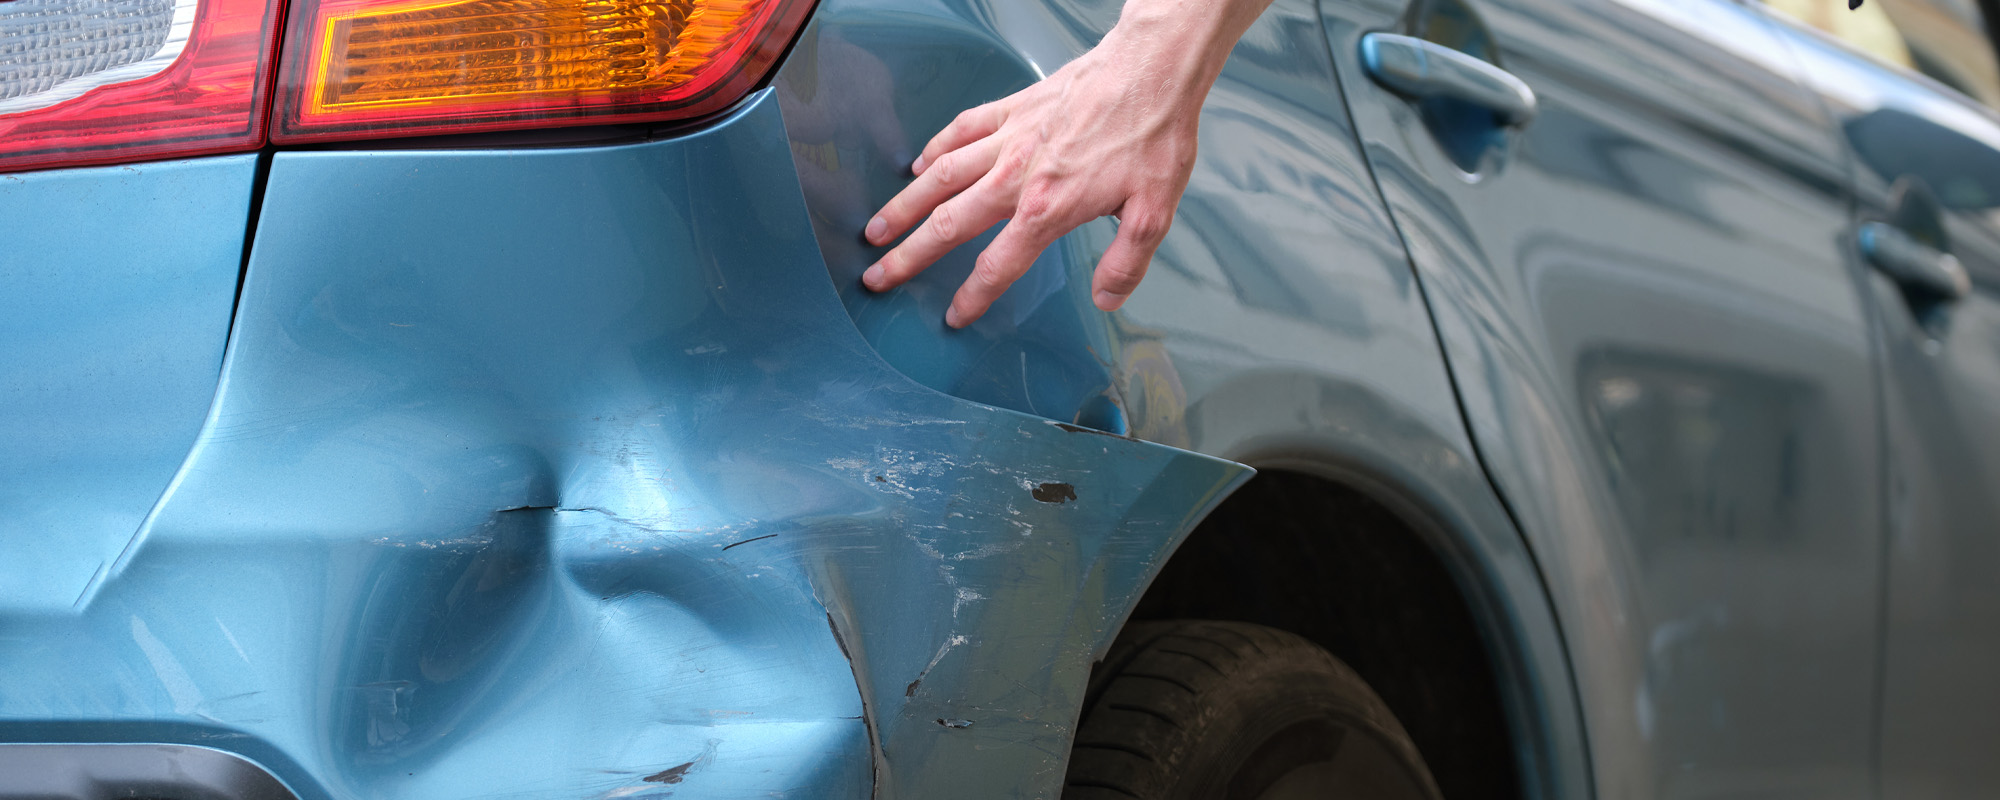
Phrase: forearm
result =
(1186, 42)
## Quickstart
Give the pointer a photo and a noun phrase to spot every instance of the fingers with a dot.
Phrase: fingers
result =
(971, 125)
(1140, 231)
(1005, 261)
(954, 172)
(953, 223)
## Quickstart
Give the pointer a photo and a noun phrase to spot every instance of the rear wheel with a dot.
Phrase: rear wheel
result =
(1201, 710)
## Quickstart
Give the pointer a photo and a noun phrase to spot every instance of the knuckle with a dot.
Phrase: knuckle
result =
(945, 168)
(1038, 201)
(988, 276)
(1013, 162)
(944, 223)
(1148, 228)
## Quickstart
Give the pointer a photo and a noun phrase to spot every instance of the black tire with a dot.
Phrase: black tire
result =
(1200, 710)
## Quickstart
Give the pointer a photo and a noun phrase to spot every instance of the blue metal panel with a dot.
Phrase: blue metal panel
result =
(561, 473)
(115, 292)
(1280, 324)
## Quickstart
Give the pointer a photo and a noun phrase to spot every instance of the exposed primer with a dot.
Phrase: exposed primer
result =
(1054, 493)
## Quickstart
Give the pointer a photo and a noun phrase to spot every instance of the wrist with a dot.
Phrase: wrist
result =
(1185, 42)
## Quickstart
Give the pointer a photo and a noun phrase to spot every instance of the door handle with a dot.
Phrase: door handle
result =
(1419, 69)
(1913, 264)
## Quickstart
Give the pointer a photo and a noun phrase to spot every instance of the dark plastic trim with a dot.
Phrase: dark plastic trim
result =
(151, 771)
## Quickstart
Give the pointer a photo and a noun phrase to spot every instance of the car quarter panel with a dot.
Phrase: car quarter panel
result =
(1279, 324)
(561, 472)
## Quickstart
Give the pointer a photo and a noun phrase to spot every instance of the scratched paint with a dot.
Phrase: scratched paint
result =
(542, 477)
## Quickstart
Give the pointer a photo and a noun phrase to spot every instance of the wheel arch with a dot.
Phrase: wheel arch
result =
(1426, 492)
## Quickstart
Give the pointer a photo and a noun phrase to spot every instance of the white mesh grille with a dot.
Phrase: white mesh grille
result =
(54, 50)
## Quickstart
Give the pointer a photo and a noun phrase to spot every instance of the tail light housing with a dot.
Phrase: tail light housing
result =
(372, 68)
(99, 81)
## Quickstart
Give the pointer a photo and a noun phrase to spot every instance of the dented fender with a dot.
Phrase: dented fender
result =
(563, 473)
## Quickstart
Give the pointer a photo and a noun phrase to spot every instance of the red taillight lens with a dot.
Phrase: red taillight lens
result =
(99, 81)
(95, 81)
(371, 68)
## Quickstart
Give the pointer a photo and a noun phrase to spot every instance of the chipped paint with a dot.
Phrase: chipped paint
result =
(538, 542)
(1055, 492)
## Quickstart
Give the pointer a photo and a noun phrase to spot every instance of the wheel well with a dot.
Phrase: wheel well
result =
(1325, 561)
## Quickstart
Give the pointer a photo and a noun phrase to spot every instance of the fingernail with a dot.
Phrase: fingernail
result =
(917, 166)
(873, 277)
(1110, 301)
(877, 227)
(952, 318)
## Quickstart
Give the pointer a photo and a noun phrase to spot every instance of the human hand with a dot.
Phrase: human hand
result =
(1111, 133)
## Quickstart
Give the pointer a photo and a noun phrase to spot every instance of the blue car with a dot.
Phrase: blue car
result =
(420, 399)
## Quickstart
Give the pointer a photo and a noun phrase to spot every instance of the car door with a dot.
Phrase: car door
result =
(1627, 218)
(1912, 85)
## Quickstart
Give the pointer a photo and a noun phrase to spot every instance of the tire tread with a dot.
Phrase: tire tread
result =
(1152, 696)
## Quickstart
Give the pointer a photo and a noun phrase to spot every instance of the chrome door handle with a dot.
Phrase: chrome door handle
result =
(1913, 264)
(1418, 69)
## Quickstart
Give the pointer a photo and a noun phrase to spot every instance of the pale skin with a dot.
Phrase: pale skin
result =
(1112, 133)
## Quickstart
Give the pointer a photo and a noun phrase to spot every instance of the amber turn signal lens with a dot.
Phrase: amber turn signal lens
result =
(395, 68)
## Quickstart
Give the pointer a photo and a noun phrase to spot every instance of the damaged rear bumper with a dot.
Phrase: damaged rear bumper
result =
(563, 473)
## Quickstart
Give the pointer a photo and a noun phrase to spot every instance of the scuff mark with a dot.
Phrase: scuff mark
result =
(955, 723)
(1080, 429)
(964, 596)
(900, 472)
(1054, 492)
(476, 540)
(749, 540)
(911, 690)
(678, 772)
(985, 551)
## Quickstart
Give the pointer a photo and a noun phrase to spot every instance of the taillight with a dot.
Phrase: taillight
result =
(357, 69)
(98, 81)
(94, 81)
